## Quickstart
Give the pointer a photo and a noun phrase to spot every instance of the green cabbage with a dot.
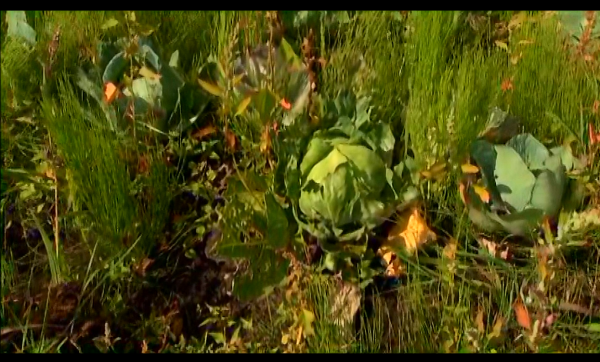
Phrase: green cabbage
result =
(526, 182)
(348, 183)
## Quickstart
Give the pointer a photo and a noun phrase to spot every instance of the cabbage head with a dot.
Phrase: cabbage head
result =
(349, 184)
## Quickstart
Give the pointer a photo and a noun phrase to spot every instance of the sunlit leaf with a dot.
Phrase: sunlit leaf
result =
(501, 45)
(285, 104)
(522, 315)
(110, 23)
(410, 230)
(211, 88)
(110, 92)
(468, 168)
(482, 192)
(241, 108)
(19, 28)
(148, 73)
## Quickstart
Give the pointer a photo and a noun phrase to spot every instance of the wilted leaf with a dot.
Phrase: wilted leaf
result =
(479, 321)
(144, 347)
(204, 131)
(468, 168)
(394, 265)
(462, 188)
(436, 172)
(265, 140)
(211, 88)
(497, 334)
(594, 137)
(500, 127)
(230, 139)
(522, 315)
(450, 249)
(143, 266)
(110, 92)
(482, 192)
(411, 230)
(494, 249)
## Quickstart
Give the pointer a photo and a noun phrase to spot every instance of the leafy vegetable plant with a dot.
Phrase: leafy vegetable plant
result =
(130, 73)
(513, 186)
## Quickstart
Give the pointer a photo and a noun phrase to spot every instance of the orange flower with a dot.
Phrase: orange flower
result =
(285, 104)
(507, 85)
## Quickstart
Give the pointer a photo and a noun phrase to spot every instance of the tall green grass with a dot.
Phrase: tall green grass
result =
(549, 81)
(100, 175)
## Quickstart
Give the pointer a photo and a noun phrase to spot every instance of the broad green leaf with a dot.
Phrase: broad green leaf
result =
(368, 166)
(19, 28)
(149, 90)
(337, 194)
(289, 55)
(521, 223)
(318, 149)
(265, 102)
(266, 271)
(373, 212)
(381, 139)
(513, 179)
(148, 55)
(327, 166)
(277, 223)
(566, 156)
(547, 193)
(532, 151)
(211, 88)
(171, 84)
(115, 68)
